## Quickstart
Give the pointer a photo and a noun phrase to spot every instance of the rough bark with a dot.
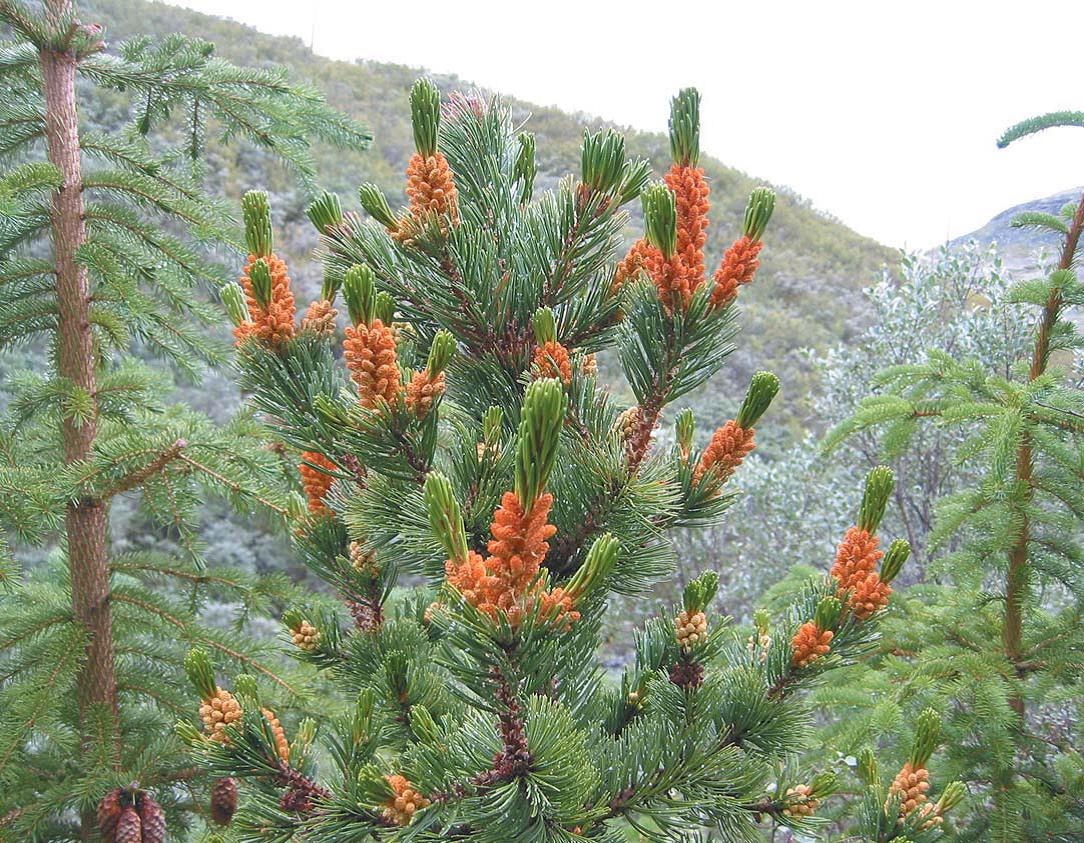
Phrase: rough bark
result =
(85, 518)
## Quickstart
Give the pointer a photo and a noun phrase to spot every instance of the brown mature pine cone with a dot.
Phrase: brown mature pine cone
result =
(129, 827)
(151, 817)
(109, 811)
(223, 800)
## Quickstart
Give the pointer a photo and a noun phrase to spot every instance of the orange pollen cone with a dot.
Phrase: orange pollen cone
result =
(370, 357)
(274, 325)
(316, 482)
(630, 266)
(553, 361)
(739, 265)
(430, 187)
(856, 558)
(810, 643)
(729, 446)
(691, 192)
(422, 391)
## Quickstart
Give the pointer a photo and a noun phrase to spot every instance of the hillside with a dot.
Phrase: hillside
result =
(807, 294)
(1019, 246)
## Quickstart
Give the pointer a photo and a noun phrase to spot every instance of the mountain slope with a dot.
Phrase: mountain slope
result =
(1018, 246)
(813, 266)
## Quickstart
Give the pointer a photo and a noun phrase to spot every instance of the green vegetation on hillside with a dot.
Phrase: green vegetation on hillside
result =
(811, 276)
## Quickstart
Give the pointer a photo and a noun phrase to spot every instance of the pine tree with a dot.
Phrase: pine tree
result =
(105, 249)
(469, 442)
(998, 640)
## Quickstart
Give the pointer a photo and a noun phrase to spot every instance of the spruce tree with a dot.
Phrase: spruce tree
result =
(996, 639)
(106, 247)
(465, 439)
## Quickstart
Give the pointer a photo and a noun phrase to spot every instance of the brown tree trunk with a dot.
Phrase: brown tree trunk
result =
(85, 518)
(1016, 581)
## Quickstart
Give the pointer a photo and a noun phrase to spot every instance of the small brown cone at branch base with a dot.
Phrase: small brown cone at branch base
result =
(282, 746)
(799, 801)
(729, 446)
(320, 318)
(152, 819)
(553, 361)
(218, 712)
(223, 800)
(306, 637)
(316, 482)
(129, 827)
(109, 811)
(690, 629)
(400, 809)
(590, 365)
(369, 351)
(810, 643)
(740, 264)
(422, 391)
(910, 785)
(687, 674)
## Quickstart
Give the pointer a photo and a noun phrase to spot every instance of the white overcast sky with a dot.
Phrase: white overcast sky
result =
(884, 114)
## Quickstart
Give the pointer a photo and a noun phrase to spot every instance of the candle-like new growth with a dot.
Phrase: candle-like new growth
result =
(425, 116)
(359, 293)
(325, 212)
(545, 327)
(762, 390)
(660, 219)
(260, 276)
(879, 484)
(894, 559)
(440, 353)
(599, 564)
(233, 299)
(758, 212)
(376, 205)
(927, 736)
(445, 516)
(699, 593)
(685, 128)
(684, 429)
(256, 212)
(539, 431)
(526, 168)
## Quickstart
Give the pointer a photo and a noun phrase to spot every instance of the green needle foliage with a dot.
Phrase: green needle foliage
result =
(504, 478)
(998, 640)
(107, 256)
